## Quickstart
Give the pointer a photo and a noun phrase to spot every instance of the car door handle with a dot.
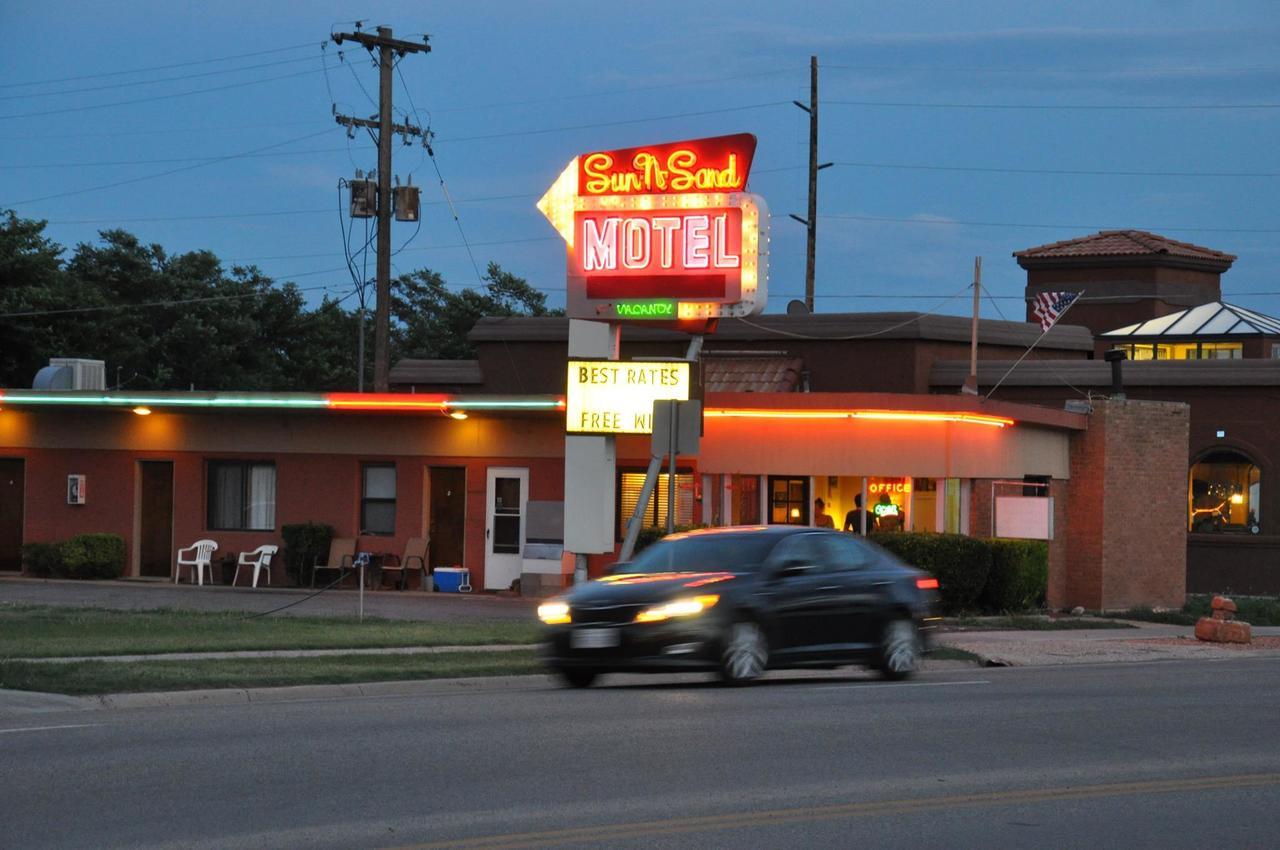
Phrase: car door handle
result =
(829, 587)
(880, 583)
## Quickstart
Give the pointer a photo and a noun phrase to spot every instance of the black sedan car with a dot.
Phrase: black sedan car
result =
(739, 601)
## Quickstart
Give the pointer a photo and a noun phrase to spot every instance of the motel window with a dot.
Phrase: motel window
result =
(655, 514)
(788, 500)
(1224, 494)
(242, 495)
(378, 498)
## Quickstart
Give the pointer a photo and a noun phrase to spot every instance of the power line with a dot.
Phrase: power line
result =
(1061, 171)
(164, 173)
(158, 79)
(118, 162)
(178, 302)
(159, 67)
(1005, 69)
(154, 98)
(628, 121)
(1046, 226)
(1129, 107)
(163, 131)
(264, 213)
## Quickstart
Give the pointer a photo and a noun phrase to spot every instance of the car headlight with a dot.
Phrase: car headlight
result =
(554, 613)
(677, 608)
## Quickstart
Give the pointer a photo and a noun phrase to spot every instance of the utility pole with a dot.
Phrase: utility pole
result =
(388, 48)
(970, 386)
(811, 222)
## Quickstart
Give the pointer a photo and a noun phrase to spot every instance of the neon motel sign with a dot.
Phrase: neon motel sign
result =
(663, 232)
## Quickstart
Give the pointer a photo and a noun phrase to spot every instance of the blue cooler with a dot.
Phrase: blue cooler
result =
(452, 579)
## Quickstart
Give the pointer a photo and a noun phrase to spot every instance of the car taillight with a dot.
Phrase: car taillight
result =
(927, 583)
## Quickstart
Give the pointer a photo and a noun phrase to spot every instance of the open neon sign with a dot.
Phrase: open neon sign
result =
(667, 222)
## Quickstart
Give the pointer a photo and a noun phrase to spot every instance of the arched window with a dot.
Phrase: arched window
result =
(1224, 494)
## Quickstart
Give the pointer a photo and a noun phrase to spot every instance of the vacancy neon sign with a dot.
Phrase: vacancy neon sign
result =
(663, 232)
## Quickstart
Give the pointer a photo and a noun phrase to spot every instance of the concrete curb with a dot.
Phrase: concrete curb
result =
(279, 653)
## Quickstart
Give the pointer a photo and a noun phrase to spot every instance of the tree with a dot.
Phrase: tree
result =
(433, 322)
(31, 281)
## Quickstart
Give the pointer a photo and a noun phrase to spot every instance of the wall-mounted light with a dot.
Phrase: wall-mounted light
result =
(1221, 434)
(142, 411)
(457, 414)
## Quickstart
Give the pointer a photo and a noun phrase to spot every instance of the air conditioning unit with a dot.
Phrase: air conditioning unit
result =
(71, 373)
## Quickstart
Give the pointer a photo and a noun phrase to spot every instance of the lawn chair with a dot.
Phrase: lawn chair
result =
(198, 556)
(342, 554)
(259, 559)
(414, 559)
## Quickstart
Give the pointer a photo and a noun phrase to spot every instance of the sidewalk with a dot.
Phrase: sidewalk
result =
(135, 595)
(1145, 642)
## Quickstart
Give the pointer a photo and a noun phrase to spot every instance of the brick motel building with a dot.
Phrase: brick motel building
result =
(1143, 494)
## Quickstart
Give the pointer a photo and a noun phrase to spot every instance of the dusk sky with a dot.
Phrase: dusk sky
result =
(956, 129)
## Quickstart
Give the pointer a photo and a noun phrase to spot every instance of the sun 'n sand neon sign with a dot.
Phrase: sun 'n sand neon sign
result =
(663, 232)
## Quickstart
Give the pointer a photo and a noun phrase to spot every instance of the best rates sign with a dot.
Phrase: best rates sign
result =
(662, 232)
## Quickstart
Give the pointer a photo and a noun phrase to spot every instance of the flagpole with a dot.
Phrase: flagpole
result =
(1034, 344)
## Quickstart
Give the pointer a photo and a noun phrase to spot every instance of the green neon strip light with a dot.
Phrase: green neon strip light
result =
(648, 308)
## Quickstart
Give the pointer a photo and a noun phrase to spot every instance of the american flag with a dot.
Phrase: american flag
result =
(1051, 305)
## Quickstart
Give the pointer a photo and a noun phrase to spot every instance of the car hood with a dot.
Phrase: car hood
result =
(646, 587)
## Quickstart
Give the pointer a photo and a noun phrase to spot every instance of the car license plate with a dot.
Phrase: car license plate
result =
(594, 638)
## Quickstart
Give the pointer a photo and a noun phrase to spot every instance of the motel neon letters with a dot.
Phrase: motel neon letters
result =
(662, 232)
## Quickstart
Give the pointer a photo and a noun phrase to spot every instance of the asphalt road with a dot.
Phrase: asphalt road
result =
(1181, 754)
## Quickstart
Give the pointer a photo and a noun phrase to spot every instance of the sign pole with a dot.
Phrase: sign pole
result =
(673, 429)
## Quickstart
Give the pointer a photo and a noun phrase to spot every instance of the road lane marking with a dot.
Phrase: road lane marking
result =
(596, 835)
(44, 728)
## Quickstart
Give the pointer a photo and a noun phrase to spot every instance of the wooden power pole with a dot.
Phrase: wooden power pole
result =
(811, 221)
(388, 49)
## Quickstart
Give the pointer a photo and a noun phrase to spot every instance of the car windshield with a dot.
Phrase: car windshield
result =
(703, 552)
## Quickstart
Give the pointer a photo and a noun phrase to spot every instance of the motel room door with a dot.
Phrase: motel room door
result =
(12, 508)
(506, 496)
(155, 518)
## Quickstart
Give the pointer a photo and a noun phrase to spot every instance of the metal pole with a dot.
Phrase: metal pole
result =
(674, 429)
(971, 383)
(637, 516)
(362, 591)
(812, 240)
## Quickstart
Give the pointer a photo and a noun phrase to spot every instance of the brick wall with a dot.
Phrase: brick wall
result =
(1126, 509)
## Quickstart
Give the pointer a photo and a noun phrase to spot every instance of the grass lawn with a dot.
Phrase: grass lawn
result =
(1027, 623)
(30, 631)
(1255, 610)
(108, 677)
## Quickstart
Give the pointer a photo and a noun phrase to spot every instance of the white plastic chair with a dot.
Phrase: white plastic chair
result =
(259, 559)
(198, 556)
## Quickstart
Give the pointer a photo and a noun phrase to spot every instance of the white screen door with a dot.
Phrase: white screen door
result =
(506, 495)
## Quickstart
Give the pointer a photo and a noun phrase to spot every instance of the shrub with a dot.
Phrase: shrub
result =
(94, 556)
(304, 542)
(961, 564)
(1019, 576)
(651, 534)
(43, 559)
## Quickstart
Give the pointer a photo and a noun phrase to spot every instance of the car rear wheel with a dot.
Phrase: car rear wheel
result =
(576, 677)
(899, 650)
(745, 654)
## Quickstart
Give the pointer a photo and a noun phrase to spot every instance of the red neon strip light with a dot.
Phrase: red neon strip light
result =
(385, 401)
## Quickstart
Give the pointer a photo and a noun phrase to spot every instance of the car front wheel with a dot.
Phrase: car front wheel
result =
(576, 677)
(899, 650)
(745, 654)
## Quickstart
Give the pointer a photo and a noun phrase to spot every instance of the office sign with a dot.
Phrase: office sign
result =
(663, 232)
(616, 397)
